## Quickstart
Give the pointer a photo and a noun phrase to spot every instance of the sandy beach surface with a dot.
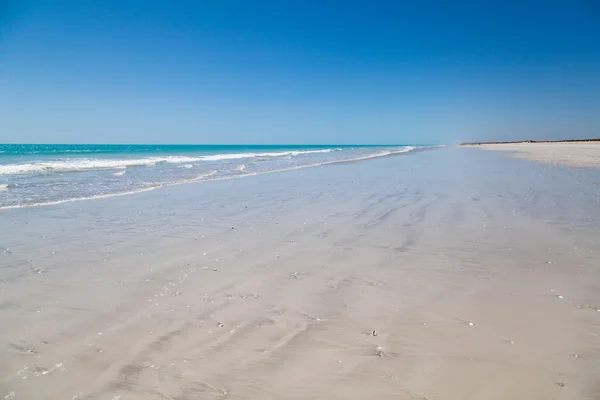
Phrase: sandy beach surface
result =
(445, 274)
(576, 154)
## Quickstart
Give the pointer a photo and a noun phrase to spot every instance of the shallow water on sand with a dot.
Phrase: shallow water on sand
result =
(452, 273)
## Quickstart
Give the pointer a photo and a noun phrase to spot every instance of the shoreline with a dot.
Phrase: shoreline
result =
(407, 150)
(532, 141)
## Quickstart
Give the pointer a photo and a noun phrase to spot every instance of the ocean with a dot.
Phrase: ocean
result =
(43, 174)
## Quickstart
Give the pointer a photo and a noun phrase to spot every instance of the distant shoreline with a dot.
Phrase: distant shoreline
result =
(575, 153)
(533, 141)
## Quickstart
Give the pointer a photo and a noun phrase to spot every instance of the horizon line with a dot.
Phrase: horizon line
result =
(221, 144)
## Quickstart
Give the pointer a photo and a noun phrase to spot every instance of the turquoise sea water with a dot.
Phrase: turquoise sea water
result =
(41, 174)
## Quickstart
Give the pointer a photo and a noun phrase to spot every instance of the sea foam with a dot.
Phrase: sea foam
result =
(86, 164)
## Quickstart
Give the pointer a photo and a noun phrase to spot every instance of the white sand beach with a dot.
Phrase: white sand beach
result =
(576, 154)
(447, 274)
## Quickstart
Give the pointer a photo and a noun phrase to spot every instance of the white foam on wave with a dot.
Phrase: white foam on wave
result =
(120, 173)
(83, 164)
(86, 164)
(3, 186)
(234, 156)
(241, 168)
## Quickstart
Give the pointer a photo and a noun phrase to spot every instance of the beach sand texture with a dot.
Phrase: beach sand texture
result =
(445, 274)
(576, 154)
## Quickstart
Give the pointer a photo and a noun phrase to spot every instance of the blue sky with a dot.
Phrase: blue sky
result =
(298, 71)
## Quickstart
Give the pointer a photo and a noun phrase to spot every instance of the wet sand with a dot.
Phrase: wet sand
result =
(576, 154)
(446, 274)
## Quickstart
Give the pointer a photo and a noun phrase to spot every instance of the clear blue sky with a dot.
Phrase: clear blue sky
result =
(284, 71)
